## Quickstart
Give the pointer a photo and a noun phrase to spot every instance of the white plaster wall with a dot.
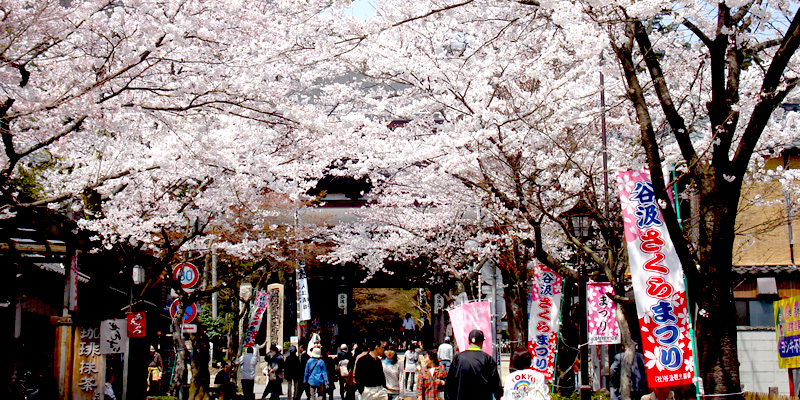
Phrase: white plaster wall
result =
(758, 358)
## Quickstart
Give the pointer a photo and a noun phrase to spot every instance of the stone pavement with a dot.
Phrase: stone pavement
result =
(259, 389)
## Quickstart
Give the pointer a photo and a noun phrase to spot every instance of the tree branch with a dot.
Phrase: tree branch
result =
(68, 195)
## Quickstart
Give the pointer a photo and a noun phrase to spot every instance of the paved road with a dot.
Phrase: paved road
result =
(259, 389)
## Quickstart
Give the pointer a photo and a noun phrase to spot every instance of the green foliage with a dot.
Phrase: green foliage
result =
(599, 395)
(215, 328)
(27, 184)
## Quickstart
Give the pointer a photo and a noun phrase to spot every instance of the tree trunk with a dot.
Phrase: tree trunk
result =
(516, 297)
(201, 377)
(179, 366)
(630, 352)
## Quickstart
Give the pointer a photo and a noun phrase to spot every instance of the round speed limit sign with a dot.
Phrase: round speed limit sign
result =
(187, 273)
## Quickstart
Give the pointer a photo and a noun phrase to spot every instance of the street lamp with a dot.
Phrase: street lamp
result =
(581, 224)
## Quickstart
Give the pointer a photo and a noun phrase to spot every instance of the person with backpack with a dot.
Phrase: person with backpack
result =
(316, 374)
(343, 370)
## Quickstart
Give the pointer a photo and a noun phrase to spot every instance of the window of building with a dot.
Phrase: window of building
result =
(754, 313)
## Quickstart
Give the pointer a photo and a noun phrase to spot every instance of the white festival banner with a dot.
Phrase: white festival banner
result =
(658, 284)
(543, 322)
(260, 304)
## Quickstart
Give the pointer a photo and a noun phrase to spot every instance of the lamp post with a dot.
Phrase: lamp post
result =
(581, 225)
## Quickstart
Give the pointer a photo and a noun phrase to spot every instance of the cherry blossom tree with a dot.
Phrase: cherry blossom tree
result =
(706, 81)
(163, 126)
(701, 83)
(502, 115)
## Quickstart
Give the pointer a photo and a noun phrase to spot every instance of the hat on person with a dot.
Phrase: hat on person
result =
(343, 346)
(315, 352)
(476, 336)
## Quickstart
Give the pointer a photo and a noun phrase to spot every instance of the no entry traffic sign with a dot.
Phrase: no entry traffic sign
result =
(187, 273)
(189, 314)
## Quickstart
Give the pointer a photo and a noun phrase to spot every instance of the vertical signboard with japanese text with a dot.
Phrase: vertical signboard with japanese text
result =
(113, 336)
(275, 314)
(137, 324)
(658, 284)
(303, 304)
(543, 321)
(787, 329)
(87, 365)
(601, 314)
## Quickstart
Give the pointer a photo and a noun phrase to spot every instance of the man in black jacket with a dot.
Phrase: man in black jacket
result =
(473, 374)
(369, 373)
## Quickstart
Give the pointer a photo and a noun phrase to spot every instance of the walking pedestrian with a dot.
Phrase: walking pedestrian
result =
(392, 371)
(536, 387)
(274, 373)
(411, 357)
(431, 377)
(369, 373)
(409, 328)
(248, 362)
(330, 368)
(473, 373)
(292, 373)
(303, 362)
(316, 376)
(154, 371)
(351, 385)
(638, 377)
(445, 353)
(343, 368)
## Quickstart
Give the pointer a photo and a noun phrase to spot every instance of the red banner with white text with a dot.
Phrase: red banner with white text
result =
(658, 284)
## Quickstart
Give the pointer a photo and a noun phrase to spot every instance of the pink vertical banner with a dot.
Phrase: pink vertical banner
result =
(543, 321)
(260, 304)
(658, 284)
(601, 314)
(469, 316)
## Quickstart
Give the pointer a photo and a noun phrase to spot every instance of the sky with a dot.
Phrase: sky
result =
(362, 9)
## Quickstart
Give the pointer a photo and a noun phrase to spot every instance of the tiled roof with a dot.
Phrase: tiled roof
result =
(765, 269)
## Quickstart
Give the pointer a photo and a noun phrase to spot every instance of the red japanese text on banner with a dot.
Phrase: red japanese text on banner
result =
(601, 314)
(657, 284)
(260, 304)
(545, 311)
(469, 316)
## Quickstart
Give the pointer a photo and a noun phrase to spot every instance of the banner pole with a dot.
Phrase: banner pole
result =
(558, 340)
(698, 382)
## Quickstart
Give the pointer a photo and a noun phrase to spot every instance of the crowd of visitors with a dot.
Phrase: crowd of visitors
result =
(371, 370)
